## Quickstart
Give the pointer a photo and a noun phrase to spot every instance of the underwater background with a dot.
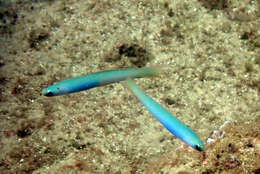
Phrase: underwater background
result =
(211, 50)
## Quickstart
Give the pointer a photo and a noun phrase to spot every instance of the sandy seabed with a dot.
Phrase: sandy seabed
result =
(211, 50)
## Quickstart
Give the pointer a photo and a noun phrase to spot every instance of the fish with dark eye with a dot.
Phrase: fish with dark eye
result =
(173, 124)
(98, 79)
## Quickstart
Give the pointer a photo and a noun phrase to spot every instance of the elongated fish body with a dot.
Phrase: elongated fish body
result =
(174, 125)
(97, 79)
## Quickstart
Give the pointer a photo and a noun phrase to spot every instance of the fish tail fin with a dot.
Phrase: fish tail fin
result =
(154, 71)
(130, 85)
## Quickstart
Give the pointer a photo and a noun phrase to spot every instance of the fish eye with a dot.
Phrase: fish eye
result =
(199, 148)
(49, 94)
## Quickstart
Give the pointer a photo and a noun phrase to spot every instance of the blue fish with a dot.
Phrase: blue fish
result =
(174, 125)
(97, 79)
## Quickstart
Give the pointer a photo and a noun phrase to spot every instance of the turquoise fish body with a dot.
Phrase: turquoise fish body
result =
(97, 79)
(174, 125)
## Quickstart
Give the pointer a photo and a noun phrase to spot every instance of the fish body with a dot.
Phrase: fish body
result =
(173, 124)
(97, 79)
